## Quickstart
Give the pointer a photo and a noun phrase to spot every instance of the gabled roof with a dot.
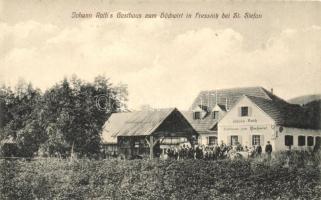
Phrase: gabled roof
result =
(228, 97)
(283, 113)
(200, 125)
(141, 123)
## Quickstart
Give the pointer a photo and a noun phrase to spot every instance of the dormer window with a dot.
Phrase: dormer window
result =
(244, 111)
(197, 115)
(215, 114)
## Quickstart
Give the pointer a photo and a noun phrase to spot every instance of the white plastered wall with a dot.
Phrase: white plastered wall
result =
(257, 123)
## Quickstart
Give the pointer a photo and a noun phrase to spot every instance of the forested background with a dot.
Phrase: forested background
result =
(66, 117)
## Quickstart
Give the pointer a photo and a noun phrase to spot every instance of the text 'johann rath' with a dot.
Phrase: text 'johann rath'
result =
(166, 15)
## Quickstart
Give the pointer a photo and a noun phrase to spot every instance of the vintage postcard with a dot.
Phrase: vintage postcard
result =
(160, 99)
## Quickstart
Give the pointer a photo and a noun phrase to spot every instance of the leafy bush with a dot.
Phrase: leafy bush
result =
(155, 179)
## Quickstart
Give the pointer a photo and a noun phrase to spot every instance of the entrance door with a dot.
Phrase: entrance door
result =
(234, 139)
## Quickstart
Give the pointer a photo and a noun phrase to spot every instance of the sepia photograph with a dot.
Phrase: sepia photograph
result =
(160, 100)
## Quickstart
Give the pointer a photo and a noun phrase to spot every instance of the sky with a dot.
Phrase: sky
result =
(164, 62)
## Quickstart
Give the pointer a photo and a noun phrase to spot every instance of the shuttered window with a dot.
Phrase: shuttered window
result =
(262, 140)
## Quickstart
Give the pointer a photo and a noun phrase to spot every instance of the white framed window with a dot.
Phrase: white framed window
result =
(256, 140)
(244, 111)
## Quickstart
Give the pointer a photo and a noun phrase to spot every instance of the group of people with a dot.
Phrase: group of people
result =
(215, 152)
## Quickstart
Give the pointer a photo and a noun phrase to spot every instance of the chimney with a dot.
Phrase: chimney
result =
(272, 90)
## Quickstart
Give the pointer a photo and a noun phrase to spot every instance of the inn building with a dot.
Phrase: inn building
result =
(255, 120)
(211, 106)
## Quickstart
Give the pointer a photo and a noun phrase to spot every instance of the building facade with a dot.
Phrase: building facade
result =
(255, 121)
(211, 106)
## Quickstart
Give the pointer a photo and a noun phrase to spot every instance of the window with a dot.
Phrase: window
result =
(301, 140)
(197, 115)
(136, 144)
(199, 140)
(212, 140)
(310, 141)
(256, 140)
(215, 114)
(288, 140)
(244, 111)
(234, 140)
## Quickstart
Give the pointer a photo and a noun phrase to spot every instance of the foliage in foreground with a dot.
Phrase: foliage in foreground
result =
(142, 179)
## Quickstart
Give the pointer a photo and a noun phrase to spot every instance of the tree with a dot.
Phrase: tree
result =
(78, 111)
(68, 115)
(20, 117)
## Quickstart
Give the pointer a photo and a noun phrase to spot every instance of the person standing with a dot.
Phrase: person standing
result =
(258, 150)
(268, 150)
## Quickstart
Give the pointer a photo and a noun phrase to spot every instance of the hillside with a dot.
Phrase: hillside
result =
(305, 99)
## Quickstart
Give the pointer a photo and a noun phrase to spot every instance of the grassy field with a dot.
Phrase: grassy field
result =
(144, 179)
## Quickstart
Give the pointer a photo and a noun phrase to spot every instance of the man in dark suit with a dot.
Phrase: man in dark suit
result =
(268, 150)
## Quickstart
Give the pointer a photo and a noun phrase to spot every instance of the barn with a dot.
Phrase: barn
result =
(146, 133)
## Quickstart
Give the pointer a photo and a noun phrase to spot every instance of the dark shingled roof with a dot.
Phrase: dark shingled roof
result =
(313, 110)
(283, 113)
(230, 96)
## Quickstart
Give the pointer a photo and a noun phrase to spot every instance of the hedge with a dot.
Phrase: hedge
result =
(145, 179)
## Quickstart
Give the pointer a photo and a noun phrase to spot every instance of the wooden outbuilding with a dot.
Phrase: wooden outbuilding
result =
(142, 133)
